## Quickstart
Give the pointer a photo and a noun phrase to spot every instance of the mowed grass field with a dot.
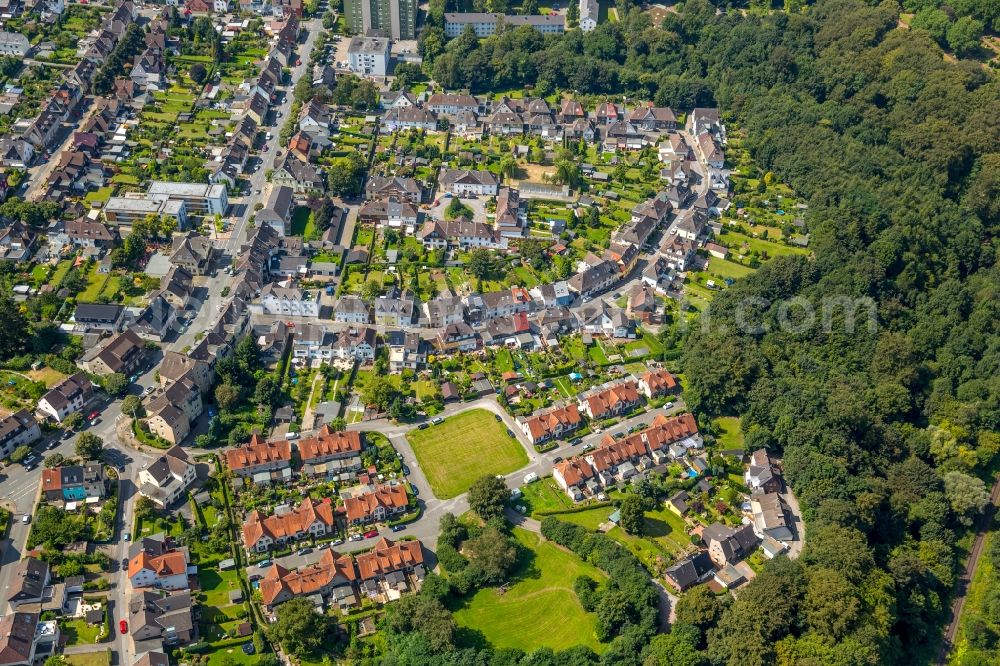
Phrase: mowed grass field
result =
(464, 448)
(540, 608)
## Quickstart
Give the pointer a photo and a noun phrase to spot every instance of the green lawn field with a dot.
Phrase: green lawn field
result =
(540, 609)
(464, 448)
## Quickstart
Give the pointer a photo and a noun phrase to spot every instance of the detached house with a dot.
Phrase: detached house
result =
(728, 545)
(298, 174)
(167, 478)
(124, 353)
(311, 518)
(399, 188)
(153, 615)
(463, 182)
(67, 397)
(17, 429)
(166, 571)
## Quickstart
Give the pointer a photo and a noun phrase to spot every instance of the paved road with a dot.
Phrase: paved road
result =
(962, 589)
(243, 207)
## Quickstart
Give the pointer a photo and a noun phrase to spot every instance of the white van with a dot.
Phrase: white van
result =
(530, 478)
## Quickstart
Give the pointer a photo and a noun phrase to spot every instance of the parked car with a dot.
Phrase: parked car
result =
(303, 551)
(530, 478)
(497, 417)
(669, 405)
(124, 563)
(588, 447)
(406, 470)
(128, 536)
(371, 534)
(557, 459)
(398, 528)
(510, 433)
(413, 489)
(337, 542)
(422, 426)
(436, 420)
(575, 441)
(25, 519)
(123, 626)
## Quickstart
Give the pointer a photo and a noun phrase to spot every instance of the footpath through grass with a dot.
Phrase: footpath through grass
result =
(539, 609)
(463, 448)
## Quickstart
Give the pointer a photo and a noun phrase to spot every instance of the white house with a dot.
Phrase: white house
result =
(167, 478)
(69, 396)
(277, 300)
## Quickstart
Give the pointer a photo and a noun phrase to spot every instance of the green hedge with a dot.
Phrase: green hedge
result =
(575, 509)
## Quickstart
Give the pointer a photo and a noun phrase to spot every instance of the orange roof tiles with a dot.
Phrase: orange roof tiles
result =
(168, 564)
(258, 452)
(329, 443)
(607, 400)
(308, 580)
(545, 423)
(574, 471)
(659, 381)
(287, 525)
(388, 557)
(362, 506)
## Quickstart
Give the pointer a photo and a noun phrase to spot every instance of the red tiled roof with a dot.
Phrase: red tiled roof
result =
(288, 524)
(329, 443)
(362, 506)
(388, 557)
(258, 452)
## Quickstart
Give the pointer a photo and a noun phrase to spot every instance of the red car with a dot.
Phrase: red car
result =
(93, 415)
(371, 533)
(123, 626)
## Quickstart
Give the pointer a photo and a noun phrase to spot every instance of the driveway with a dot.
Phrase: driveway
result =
(478, 206)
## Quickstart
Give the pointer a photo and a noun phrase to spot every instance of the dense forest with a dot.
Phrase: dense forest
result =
(888, 427)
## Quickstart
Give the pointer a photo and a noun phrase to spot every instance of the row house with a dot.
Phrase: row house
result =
(259, 461)
(494, 304)
(657, 383)
(331, 454)
(653, 118)
(610, 400)
(311, 518)
(383, 503)
(410, 118)
(316, 342)
(462, 233)
(288, 301)
(595, 278)
(443, 311)
(166, 618)
(407, 351)
(762, 473)
(558, 422)
(452, 104)
(458, 337)
(333, 576)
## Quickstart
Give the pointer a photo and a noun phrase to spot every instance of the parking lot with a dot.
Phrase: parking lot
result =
(478, 206)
